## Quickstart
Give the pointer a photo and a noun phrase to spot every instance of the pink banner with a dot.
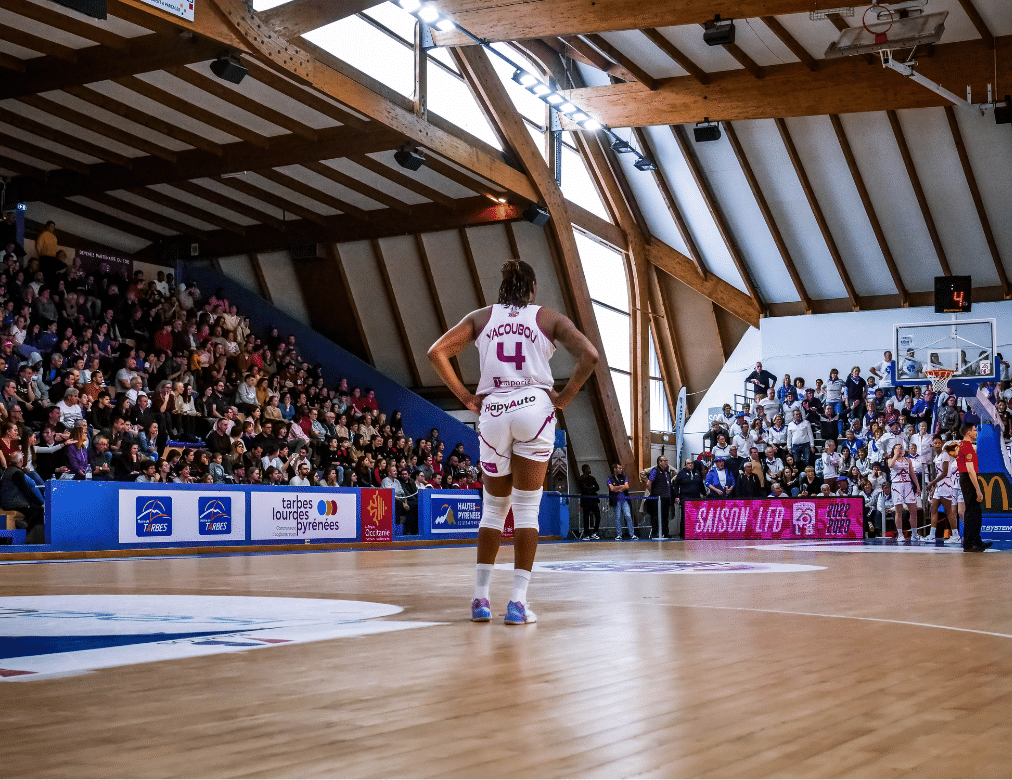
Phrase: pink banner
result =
(775, 518)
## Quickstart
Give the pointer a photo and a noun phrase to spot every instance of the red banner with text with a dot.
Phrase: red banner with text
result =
(377, 515)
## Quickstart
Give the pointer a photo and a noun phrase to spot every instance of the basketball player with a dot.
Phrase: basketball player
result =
(905, 490)
(516, 405)
(941, 488)
(972, 495)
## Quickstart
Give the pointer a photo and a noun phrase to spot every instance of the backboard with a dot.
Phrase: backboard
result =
(885, 31)
(966, 347)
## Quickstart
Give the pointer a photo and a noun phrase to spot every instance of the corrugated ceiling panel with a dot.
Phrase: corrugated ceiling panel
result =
(648, 197)
(223, 189)
(427, 177)
(281, 281)
(878, 159)
(689, 40)
(108, 117)
(211, 208)
(157, 208)
(85, 201)
(937, 163)
(375, 180)
(45, 143)
(636, 46)
(773, 170)
(491, 250)
(758, 42)
(324, 184)
(293, 197)
(745, 221)
(239, 269)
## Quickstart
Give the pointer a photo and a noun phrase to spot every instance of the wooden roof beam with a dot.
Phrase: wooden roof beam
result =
(44, 154)
(299, 16)
(915, 185)
(22, 168)
(978, 201)
(10, 62)
(771, 223)
(820, 218)
(37, 43)
(869, 209)
(101, 218)
(361, 188)
(42, 130)
(790, 42)
(472, 268)
(51, 17)
(140, 212)
(238, 206)
(307, 97)
(402, 179)
(839, 86)
(978, 22)
(675, 54)
(717, 213)
(638, 73)
(272, 199)
(176, 204)
(295, 185)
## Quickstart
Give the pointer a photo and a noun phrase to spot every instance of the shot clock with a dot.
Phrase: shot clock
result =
(953, 294)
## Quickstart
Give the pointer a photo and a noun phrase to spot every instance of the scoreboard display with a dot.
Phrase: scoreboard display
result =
(953, 294)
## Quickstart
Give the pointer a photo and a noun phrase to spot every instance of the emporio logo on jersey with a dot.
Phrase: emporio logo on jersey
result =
(496, 409)
(154, 516)
(500, 382)
(214, 515)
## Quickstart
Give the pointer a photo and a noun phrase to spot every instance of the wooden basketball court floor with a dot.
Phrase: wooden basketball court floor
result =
(875, 662)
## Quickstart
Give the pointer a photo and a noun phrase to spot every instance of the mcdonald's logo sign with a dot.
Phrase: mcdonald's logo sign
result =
(987, 483)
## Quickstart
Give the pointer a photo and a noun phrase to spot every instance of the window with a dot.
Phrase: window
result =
(660, 414)
(370, 50)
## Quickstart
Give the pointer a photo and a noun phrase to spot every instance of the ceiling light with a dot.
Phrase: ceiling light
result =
(643, 164)
(409, 5)
(428, 13)
(567, 108)
(540, 89)
(591, 124)
(523, 78)
(620, 146)
(579, 116)
(446, 25)
(553, 98)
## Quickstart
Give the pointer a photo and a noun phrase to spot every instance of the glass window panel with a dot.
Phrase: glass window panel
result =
(577, 185)
(660, 417)
(528, 105)
(266, 5)
(450, 98)
(393, 18)
(623, 389)
(539, 140)
(655, 364)
(364, 47)
(614, 329)
(605, 272)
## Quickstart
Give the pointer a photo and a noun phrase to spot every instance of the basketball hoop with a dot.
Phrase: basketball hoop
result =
(939, 378)
(881, 36)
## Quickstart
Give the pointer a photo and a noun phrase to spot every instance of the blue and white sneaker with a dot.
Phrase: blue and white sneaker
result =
(517, 614)
(480, 611)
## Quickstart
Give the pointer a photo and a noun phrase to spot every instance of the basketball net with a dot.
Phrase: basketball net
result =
(939, 378)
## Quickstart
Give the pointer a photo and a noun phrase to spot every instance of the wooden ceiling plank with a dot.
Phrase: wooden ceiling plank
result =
(21, 168)
(717, 213)
(334, 253)
(472, 268)
(51, 17)
(43, 130)
(839, 86)
(978, 201)
(869, 209)
(298, 16)
(511, 240)
(272, 199)
(101, 218)
(313, 193)
(154, 217)
(401, 179)
(767, 213)
(838, 22)
(402, 331)
(10, 62)
(820, 218)
(177, 204)
(144, 119)
(59, 110)
(672, 205)
(213, 196)
(352, 183)
(638, 73)
(591, 55)
(744, 60)
(258, 274)
(978, 22)
(430, 284)
(216, 87)
(46, 155)
(790, 42)
(725, 295)
(307, 97)
(680, 58)
(915, 184)
(37, 43)
(207, 117)
(463, 179)
(481, 78)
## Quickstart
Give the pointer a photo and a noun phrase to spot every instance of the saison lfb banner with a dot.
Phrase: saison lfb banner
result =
(775, 518)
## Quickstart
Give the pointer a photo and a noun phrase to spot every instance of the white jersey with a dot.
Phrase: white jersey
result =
(513, 351)
(952, 475)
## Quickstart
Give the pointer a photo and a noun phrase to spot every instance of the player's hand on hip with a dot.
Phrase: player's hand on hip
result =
(557, 400)
(474, 402)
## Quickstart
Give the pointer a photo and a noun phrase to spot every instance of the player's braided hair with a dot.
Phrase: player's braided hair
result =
(518, 282)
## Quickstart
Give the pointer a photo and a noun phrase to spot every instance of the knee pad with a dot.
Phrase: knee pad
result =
(493, 511)
(526, 505)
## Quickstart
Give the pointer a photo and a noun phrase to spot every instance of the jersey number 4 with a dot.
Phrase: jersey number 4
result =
(517, 358)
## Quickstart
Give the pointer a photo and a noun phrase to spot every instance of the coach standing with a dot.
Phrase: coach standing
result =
(972, 495)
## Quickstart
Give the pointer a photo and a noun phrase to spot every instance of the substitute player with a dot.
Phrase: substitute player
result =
(941, 488)
(516, 404)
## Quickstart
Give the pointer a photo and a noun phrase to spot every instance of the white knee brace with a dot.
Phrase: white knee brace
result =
(493, 511)
(526, 506)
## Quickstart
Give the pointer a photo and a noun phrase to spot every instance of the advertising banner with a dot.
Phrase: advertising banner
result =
(377, 515)
(106, 263)
(287, 515)
(181, 8)
(455, 514)
(181, 516)
(775, 518)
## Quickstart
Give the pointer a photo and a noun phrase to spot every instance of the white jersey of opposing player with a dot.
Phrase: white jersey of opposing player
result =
(514, 352)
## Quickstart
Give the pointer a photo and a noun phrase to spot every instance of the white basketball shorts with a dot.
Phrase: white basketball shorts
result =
(520, 422)
(943, 490)
(903, 493)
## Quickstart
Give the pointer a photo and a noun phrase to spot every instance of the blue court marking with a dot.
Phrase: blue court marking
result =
(22, 646)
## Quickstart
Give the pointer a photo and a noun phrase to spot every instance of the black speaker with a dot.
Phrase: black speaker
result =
(1003, 114)
(536, 215)
(706, 133)
(409, 158)
(721, 34)
(228, 70)
(93, 8)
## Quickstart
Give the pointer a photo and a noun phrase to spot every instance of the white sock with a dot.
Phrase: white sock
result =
(521, 579)
(483, 579)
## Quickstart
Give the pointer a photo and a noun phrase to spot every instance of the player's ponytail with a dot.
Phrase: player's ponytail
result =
(518, 281)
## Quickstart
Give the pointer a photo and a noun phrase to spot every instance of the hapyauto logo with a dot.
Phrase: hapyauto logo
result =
(214, 515)
(154, 516)
(445, 516)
